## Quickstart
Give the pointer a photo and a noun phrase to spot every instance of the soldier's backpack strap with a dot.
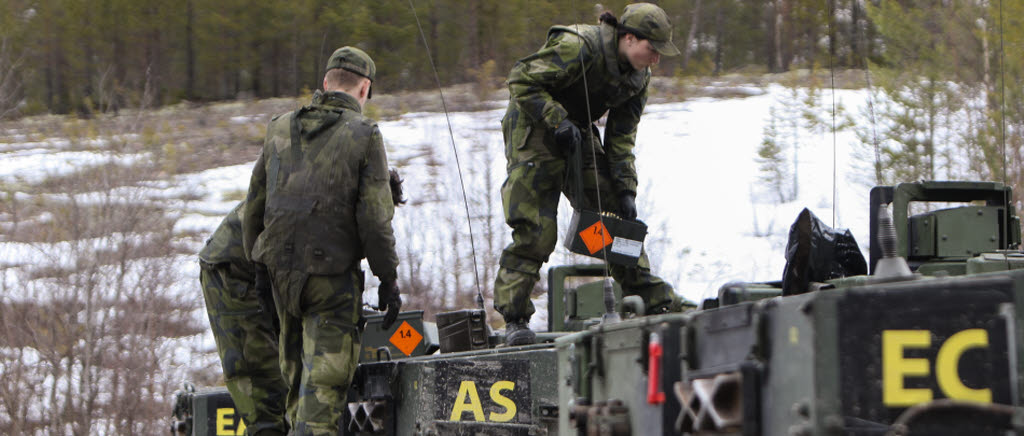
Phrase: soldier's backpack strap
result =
(296, 129)
(559, 29)
(574, 172)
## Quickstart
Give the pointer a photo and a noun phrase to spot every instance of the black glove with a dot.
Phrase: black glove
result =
(261, 283)
(388, 298)
(264, 294)
(568, 136)
(627, 206)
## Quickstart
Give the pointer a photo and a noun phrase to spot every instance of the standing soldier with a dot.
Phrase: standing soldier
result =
(245, 326)
(244, 330)
(607, 66)
(318, 203)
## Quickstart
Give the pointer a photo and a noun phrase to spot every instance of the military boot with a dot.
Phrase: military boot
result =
(519, 333)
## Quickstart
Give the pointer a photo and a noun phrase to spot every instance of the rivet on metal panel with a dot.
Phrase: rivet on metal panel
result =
(802, 409)
(807, 307)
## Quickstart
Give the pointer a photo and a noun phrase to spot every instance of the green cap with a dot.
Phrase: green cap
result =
(354, 60)
(651, 23)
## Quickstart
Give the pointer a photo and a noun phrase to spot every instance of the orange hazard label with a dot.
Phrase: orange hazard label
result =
(595, 237)
(406, 338)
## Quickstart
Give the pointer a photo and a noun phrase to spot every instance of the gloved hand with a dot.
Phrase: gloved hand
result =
(568, 136)
(261, 283)
(627, 205)
(264, 294)
(388, 298)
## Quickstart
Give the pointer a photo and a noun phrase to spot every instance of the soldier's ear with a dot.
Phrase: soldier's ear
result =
(364, 91)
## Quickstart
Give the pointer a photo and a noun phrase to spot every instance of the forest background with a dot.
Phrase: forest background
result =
(91, 330)
(98, 56)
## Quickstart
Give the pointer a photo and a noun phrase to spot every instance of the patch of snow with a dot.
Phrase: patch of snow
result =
(38, 164)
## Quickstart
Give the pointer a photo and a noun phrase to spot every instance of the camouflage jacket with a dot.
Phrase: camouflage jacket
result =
(319, 199)
(225, 245)
(548, 87)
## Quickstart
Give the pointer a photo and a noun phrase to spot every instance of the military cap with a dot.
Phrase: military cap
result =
(650, 22)
(354, 60)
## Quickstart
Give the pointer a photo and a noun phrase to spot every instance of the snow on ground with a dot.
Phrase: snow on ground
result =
(698, 157)
(695, 159)
(37, 164)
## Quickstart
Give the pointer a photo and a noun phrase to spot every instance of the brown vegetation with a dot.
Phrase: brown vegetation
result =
(85, 323)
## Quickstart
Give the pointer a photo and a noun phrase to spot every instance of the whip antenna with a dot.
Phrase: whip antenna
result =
(1002, 117)
(871, 102)
(832, 74)
(1002, 90)
(609, 295)
(455, 150)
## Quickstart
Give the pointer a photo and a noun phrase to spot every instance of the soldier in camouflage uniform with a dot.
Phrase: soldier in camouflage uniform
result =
(318, 203)
(245, 324)
(546, 111)
(244, 330)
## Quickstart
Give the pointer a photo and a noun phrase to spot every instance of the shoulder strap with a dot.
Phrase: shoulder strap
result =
(557, 29)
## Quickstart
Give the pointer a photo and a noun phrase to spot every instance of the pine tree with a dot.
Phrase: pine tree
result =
(921, 95)
(772, 161)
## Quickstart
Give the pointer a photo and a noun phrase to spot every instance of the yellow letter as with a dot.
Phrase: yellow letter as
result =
(947, 366)
(467, 389)
(895, 367)
(501, 400)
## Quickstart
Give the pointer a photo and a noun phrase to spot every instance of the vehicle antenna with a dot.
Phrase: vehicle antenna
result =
(871, 100)
(609, 297)
(832, 74)
(455, 150)
(1002, 118)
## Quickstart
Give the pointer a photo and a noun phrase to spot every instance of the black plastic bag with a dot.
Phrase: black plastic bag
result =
(817, 252)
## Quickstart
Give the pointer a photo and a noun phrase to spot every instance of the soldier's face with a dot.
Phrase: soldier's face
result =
(640, 53)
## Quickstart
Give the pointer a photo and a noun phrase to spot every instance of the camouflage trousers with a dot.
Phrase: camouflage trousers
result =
(247, 344)
(319, 345)
(536, 180)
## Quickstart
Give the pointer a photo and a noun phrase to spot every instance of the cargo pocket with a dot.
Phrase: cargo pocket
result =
(514, 135)
(335, 350)
(520, 137)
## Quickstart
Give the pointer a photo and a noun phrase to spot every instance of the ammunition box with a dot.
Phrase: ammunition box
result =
(462, 330)
(408, 337)
(606, 236)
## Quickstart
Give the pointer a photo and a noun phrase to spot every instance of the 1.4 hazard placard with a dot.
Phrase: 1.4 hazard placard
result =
(406, 338)
(592, 233)
(595, 237)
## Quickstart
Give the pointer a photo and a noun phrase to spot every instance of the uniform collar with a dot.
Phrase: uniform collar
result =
(620, 70)
(337, 99)
(610, 46)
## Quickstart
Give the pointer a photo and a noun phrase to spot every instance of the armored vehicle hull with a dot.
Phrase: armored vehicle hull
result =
(929, 344)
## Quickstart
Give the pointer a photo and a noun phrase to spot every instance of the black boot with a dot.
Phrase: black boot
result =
(519, 333)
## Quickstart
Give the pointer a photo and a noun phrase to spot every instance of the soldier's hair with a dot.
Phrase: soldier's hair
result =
(608, 17)
(396, 187)
(340, 78)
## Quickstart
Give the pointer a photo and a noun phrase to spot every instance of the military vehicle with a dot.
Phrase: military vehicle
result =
(930, 343)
